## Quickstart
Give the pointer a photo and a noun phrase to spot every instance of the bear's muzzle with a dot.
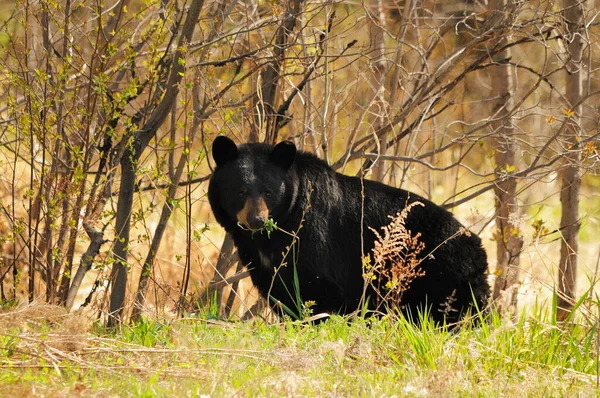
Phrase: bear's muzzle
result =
(254, 214)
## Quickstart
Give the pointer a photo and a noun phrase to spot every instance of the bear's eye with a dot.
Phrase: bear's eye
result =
(241, 194)
(268, 194)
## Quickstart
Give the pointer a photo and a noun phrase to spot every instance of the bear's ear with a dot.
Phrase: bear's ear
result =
(224, 150)
(283, 154)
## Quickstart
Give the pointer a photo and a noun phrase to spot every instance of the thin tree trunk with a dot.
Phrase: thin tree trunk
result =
(227, 257)
(165, 214)
(87, 260)
(378, 82)
(233, 293)
(175, 174)
(271, 75)
(118, 276)
(508, 235)
(93, 214)
(141, 139)
(376, 26)
(571, 174)
(34, 47)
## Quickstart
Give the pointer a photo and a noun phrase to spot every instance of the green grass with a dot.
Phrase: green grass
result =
(46, 352)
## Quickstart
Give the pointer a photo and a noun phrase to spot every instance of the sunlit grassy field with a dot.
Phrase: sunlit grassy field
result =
(47, 352)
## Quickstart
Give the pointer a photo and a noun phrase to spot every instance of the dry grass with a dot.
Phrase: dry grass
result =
(45, 352)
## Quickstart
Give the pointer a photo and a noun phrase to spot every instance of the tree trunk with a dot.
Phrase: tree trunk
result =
(571, 175)
(96, 239)
(508, 234)
(271, 75)
(165, 214)
(376, 26)
(141, 139)
(118, 276)
(214, 290)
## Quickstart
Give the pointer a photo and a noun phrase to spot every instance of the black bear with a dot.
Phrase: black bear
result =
(253, 183)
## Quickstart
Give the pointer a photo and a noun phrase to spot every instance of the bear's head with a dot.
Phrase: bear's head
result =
(252, 183)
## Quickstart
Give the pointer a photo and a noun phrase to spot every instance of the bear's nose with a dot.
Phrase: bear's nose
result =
(256, 222)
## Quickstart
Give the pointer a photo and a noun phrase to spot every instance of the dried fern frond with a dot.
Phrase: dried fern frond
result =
(395, 259)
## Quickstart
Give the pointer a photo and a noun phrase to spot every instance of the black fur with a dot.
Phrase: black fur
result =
(328, 256)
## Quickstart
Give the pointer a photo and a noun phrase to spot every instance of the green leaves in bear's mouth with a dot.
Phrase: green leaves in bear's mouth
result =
(268, 227)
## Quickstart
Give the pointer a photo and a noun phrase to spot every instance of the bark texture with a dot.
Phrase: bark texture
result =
(509, 242)
(571, 173)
